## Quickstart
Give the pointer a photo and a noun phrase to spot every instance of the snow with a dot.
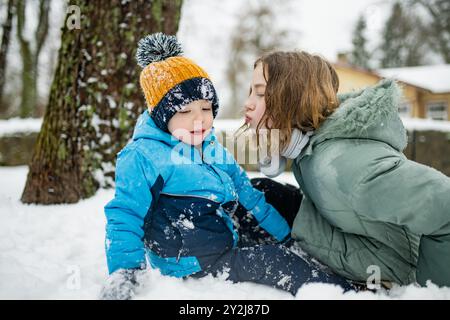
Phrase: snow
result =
(426, 125)
(230, 126)
(188, 224)
(435, 78)
(15, 125)
(57, 252)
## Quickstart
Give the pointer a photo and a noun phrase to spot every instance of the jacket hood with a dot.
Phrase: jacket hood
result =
(370, 113)
(147, 129)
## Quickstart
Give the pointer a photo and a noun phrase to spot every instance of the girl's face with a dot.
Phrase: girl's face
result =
(193, 123)
(255, 106)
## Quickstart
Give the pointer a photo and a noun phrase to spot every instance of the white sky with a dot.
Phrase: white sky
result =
(327, 25)
(324, 27)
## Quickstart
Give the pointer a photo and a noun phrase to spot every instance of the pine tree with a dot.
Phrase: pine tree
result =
(438, 30)
(360, 56)
(95, 97)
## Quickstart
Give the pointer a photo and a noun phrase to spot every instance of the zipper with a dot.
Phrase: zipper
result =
(211, 169)
(188, 195)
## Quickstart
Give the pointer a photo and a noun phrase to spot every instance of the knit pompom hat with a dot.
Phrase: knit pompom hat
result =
(170, 81)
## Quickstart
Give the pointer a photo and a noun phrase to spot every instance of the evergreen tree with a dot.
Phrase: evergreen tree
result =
(404, 42)
(360, 56)
(438, 30)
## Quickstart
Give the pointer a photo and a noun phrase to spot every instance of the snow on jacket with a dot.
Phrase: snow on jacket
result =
(368, 208)
(173, 204)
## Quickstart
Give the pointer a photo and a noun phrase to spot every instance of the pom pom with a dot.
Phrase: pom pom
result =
(157, 47)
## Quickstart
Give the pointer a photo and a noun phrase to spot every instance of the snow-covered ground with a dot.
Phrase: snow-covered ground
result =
(56, 252)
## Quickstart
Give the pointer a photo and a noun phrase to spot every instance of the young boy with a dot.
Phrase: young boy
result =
(177, 189)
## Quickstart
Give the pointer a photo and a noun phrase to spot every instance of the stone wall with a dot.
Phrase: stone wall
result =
(16, 149)
(431, 148)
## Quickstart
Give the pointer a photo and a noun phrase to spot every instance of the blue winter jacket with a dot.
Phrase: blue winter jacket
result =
(173, 204)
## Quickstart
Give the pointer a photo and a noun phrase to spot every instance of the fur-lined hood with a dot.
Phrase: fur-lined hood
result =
(371, 113)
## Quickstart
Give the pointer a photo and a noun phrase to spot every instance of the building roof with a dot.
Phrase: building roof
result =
(375, 73)
(435, 78)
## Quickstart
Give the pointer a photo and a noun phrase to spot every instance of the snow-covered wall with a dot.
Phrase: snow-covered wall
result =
(15, 125)
(409, 123)
(426, 125)
(18, 125)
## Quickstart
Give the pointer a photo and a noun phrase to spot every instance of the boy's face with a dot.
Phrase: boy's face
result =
(193, 123)
(255, 105)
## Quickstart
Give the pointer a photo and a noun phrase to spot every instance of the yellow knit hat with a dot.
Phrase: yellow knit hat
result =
(170, 81)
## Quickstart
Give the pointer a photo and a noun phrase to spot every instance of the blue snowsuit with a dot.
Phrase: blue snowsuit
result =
(174, 206)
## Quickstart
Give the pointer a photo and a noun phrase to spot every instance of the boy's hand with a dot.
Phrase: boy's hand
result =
(120, 285)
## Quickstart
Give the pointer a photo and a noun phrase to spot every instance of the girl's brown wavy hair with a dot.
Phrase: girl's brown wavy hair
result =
(301, 92)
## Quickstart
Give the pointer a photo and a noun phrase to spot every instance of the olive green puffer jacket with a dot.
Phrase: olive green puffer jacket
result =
(364, 203)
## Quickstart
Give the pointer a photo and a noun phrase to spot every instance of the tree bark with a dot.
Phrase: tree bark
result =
(28, 94)
(6, 37)
(95, 98)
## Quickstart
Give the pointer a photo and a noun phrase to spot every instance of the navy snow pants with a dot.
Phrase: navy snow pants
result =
(259, 259)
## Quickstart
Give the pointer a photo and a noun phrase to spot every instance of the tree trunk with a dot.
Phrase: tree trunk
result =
(95, 98)
(29, 79)
(28, 87)
(7, 26)
(41, 36)
(30, 57)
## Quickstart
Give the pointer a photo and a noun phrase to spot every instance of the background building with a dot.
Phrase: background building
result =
(426, 89)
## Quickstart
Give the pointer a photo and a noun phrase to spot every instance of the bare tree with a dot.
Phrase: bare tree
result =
(255, 34)
(6, 38)
(29, 56)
